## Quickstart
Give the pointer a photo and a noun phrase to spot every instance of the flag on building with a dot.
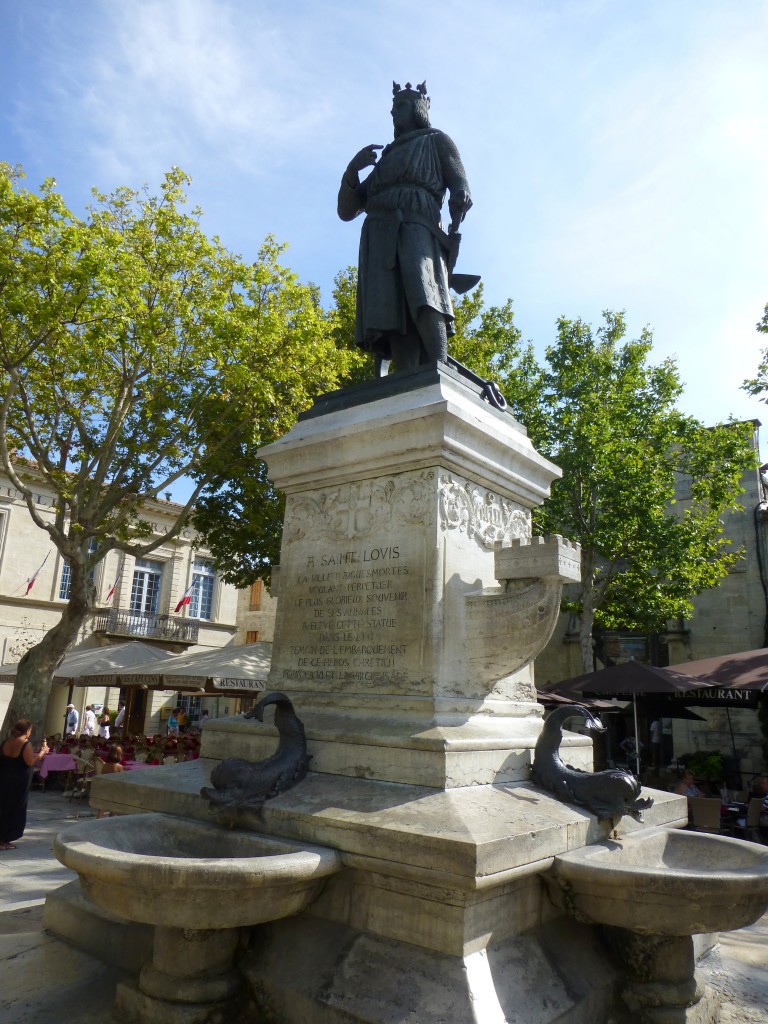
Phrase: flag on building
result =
(113, 588)
(186, 599)
(31, 580)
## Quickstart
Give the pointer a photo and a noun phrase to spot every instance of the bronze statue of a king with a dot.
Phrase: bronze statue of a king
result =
(404, 310)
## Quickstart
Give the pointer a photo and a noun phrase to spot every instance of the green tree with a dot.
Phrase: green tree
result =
(239, 513)
(607, 417)
(758, 385)
(135, 351)
(343, 314)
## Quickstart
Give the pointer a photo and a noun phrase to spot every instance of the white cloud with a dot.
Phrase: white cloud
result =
(184, 78)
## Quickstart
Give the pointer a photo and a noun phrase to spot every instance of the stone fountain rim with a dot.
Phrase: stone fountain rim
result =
(584, 861)
(301, 862)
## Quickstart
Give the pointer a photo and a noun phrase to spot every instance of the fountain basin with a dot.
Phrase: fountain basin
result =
(178, 873)
(663, 881)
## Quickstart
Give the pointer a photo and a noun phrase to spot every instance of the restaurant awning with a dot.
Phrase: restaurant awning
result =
(235, 669)
(103, 660)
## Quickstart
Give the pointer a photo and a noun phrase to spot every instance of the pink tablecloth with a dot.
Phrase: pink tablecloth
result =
(56, 763)
(133, 765)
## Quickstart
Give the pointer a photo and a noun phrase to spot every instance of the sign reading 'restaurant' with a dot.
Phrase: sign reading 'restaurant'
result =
(231, 683)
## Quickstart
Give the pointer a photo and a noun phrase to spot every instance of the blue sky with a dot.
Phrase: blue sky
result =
(616, 150)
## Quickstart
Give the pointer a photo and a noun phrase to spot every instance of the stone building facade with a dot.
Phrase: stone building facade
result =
(133, 599)
(256, 610)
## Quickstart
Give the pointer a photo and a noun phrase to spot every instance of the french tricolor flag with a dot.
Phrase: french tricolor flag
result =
(31, 580)
(186, 599)
(112, 589)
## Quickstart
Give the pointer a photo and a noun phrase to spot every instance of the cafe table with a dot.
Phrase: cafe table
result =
(56, 763)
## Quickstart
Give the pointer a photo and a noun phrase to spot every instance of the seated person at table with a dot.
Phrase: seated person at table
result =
(114, 757)
(764, 793)
(687, 787)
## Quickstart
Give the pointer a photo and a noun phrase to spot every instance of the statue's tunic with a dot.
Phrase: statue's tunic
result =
(402, 262)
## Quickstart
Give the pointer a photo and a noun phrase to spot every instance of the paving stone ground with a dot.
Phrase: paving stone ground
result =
(45, 981)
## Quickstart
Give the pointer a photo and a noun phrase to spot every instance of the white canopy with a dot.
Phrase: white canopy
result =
(107, 661)
(241, 667)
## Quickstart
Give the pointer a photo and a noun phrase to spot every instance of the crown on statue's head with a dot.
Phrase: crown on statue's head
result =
(420, 92)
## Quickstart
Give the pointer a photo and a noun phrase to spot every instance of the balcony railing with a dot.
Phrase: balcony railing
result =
(150, 626)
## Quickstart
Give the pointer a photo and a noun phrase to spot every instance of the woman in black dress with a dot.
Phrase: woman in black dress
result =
(17, 761)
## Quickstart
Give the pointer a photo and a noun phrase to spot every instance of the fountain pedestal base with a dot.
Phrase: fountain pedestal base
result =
(132, 1006)
(662, 984)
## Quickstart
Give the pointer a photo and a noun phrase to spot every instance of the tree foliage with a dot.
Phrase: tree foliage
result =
(607, 417)
(134, 351)
(239, 512)
(758, 385)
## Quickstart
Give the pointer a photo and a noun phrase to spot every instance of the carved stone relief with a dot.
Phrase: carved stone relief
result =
(481, 514)
(357, 510)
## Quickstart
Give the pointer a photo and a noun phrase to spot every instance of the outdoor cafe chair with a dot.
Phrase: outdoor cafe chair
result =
(84, 772)
(749, 827)
(705, 815)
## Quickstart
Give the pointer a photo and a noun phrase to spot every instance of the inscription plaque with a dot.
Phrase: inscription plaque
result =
(352, 578)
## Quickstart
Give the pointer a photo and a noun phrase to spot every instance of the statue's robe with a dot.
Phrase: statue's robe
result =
(403, 262)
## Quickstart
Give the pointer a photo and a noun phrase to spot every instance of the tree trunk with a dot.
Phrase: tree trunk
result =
(587, 611)
(34, 677)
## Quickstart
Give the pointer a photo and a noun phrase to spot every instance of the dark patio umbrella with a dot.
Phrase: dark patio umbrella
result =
(731, 673)
(654, 708)
(556, 700)
(746, 670)
(629, 680)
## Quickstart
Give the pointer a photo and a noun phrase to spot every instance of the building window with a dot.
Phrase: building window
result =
(252, 636)
(145, 589)
(203, 579)
(192, 706)
(257, 589)
(65, 583)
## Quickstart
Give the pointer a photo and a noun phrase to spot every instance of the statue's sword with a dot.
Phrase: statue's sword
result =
(450, 241)
(460, 283)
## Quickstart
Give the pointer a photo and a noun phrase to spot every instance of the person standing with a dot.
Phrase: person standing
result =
(120, 718)
(667, 741)
(104, 723)
(173, 724)
(656, 740)
(72, 721)
(89, 721)
(17, 761)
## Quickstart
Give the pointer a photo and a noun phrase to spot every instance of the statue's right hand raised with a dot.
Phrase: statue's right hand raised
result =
(365, 158)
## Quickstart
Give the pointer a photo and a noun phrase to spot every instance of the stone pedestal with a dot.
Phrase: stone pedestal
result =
(411, 601)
